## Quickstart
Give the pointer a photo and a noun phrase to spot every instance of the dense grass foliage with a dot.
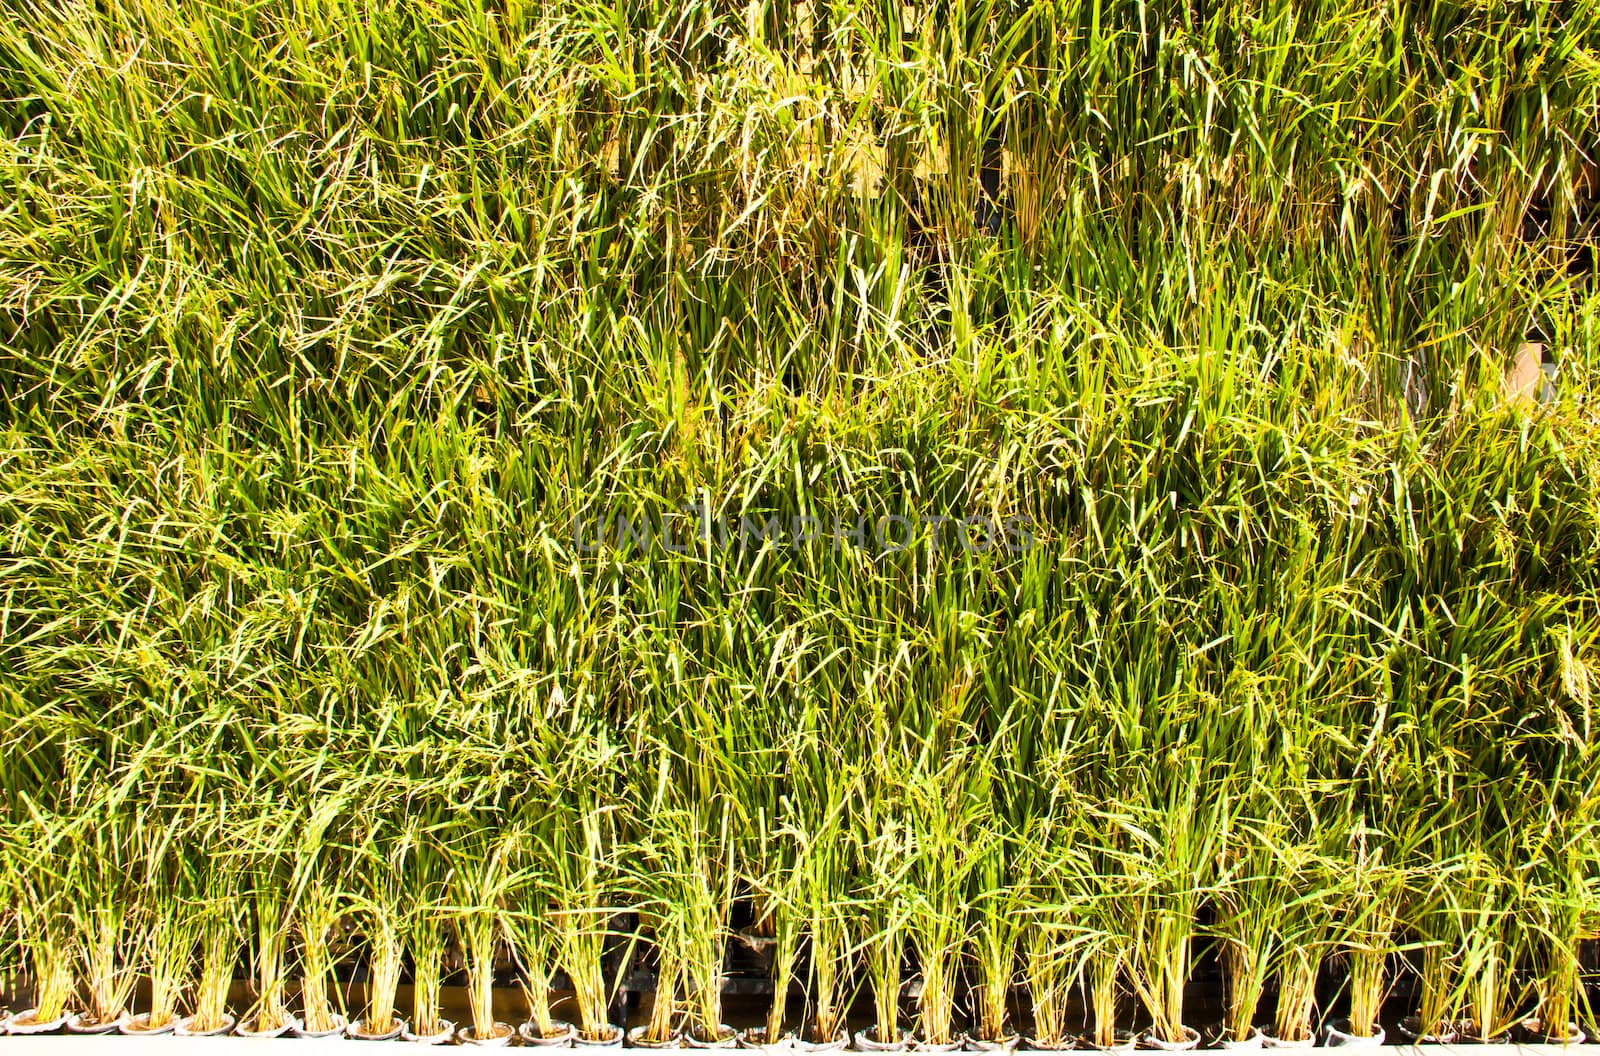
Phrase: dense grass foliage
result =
(1265, 623)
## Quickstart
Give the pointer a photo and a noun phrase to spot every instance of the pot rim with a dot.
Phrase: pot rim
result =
(866, 1039)
(841, 1040)
(1191, 1039)
(464, 1034)
(527, 1032)
(446, 1031)
(614, 1037)
(37, 1026)
(131, 1028)
(243, 1031)
(181, 1027)
(299, 1029)
(76, 1025)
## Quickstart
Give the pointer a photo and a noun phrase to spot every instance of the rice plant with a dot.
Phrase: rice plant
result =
(989, 503)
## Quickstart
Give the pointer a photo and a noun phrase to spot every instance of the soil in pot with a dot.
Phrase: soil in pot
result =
(756, 1038)
(446, 1030)
(499, 1034)
(1339, 1036)
(560, 1035)
(726, 1038)
(28, 1022)
(80, 1023)
(1467, 1033)
(248, 1028)
(139, 1026)
(359, 1032)
(185, 1028)
(612, 1039)
(1411, 1027)
(838, 1043)
(1538, 1034)
(1189, 1040)
(1272, 1041)
(1249, 1043)
(300, 1030)
(867, 1041)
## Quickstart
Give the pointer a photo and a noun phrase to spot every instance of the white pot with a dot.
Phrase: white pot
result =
(1126, 1042)
(247, 1029)
(636, 1039)
(502, 1035)
(839, 1043)
(561, 1039)
(356, 1030)
(955, 1044)
(1247, 1044)
(1035, 1045)
(612, 1040)
(24, 1022)
(77, 1025)
(727, 1038)
(340, 1024)
(184, 1029)
(133, 1026)
(867, 1041)
(1411, 1027)
(1272, 1041)
(446, 1031)
(1467, 1031)
(1006, 1044)
(1537, 1034)
(1339, 1036)
(756, 1038)
(1190, 1040)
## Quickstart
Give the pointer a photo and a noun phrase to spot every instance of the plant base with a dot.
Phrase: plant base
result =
(444, 1033)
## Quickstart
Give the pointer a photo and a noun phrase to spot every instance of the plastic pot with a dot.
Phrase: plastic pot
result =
(637, 1039)
(357, 1030)
(76, 1024)
(27, 1022)
(1126, 1042)
(561, 1039)
(1035, 1045)
(955, 1044)
(1467, 1033)
(838, 1043)
(612, 1040)
(1339, 1036)
(726, 1038)
(139, 1026)
(1006, 1044)
(756, 1038)
(299, 1029)
(1411, 1027)
(499, 1034)
(1272, 1041)
(247, 1028)
(1249, 1043)
(867, 1041)
(1190, 1040)
(446, 1031)
(184, 1028)
(1536, 1032)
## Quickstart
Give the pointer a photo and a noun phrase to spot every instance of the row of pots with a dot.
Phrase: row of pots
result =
(1336, 1036)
